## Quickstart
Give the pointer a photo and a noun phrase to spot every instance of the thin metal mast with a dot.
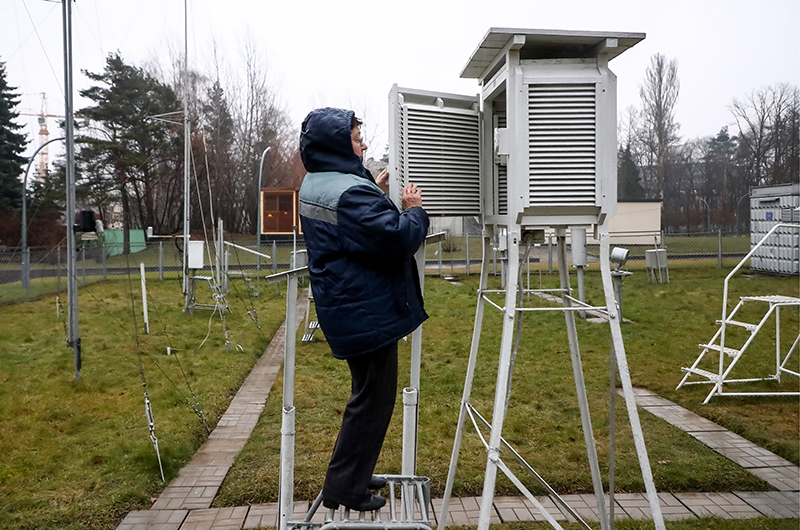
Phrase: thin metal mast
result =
(73, 335)
(186, 153)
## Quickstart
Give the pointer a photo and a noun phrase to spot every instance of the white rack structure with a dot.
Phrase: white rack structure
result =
(536, 149)
(720, 343)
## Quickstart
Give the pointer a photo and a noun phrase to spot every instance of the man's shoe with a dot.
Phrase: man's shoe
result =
(373, 502)
(377, 483)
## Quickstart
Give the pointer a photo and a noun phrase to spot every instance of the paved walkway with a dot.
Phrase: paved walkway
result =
(185, 503)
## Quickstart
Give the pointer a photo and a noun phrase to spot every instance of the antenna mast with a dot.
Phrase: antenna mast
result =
(73, 335)
(186, 153)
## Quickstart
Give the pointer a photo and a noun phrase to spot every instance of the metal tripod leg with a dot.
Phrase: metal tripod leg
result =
(625, 378)
(580, 386)
(473, 355)
(501, 388)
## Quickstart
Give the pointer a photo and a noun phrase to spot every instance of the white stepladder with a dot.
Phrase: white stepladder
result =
(409, 500)
(311, 326)
(717, 343)
(536, 149)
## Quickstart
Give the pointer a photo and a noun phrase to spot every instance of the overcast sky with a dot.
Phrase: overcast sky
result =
(348, 54)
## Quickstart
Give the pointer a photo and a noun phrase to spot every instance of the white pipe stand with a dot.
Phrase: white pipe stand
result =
(503, 383)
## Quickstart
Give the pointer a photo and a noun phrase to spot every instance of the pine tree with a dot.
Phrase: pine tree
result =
(126, 153)
(12, 145)
(628, 186)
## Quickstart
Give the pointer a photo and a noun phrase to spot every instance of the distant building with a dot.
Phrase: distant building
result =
(770, 205)
(279, 213)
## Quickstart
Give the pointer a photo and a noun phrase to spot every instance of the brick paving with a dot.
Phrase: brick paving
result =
(778, 472)
(185, 503)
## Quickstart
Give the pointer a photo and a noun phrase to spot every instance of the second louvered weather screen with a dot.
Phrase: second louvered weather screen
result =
(562, 141)
(439, 151)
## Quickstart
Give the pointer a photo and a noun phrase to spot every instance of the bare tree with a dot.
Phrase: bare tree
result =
(659, 133)
(768, 120)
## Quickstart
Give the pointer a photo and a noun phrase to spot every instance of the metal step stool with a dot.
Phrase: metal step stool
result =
(312, 327)
(408, 504)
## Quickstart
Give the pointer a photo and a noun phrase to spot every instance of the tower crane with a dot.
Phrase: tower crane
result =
(44, 136)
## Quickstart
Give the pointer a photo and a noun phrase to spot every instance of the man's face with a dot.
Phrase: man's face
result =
(358, 142)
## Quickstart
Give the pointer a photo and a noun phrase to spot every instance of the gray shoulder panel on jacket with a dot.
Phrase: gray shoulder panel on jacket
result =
(320, 193)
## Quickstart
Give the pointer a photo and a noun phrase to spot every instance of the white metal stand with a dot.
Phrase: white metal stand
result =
(503, 385)
(414, 491)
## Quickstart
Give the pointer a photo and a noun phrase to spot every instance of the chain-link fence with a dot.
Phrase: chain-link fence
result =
(706, 249)
(41, 271)
(96, 261)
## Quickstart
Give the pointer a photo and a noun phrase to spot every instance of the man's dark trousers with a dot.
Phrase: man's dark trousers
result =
(364, 425)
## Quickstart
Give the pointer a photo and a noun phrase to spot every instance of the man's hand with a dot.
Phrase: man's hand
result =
(412, 196)
(382, 180)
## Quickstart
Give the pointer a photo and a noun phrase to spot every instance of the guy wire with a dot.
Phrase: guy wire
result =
(196, 407)
(254, 315)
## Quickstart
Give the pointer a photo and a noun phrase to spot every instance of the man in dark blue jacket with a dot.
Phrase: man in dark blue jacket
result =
(366, 289)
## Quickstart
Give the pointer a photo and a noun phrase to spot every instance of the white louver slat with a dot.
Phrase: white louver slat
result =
(440, 154)
(502, 190)
(401, 151)
(562, 141)
(502, 169)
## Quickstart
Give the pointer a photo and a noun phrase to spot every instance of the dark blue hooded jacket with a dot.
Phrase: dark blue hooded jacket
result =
(360, 246)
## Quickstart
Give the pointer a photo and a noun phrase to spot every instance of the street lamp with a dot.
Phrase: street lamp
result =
(736, 211)
(708, 213)
(26, 271)
(258, 228)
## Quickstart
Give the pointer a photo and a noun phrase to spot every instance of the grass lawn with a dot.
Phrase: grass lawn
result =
(77, 455)
(543, 422)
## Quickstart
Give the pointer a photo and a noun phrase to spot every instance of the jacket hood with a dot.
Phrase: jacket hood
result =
(325, 143)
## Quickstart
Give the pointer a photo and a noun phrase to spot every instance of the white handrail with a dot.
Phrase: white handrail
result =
(725, 294)
(247, 250)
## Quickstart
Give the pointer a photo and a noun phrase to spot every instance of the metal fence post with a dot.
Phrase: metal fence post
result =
(58, 273)
(719, 248)
(105, 267)
(274, 257)
(528, 270)
(549, 254)
(439, 252)
(160, 260)
(83, 261)
(26, 272)
(466, 238)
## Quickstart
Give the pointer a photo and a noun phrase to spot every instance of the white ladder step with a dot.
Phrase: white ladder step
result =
(313, 324)
(731, 352)
(773, 299)
(711, 376)
(745, 325)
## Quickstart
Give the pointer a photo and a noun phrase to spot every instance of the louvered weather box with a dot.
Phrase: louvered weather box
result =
(435, 144)
(544, 125)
